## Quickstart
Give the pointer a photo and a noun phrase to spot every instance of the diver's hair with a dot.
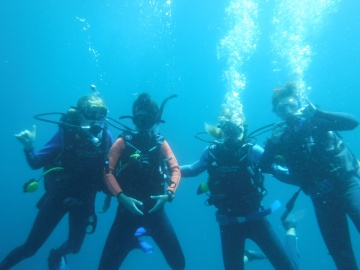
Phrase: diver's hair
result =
(214, 131)
(90, 101)
(145, 105)
(217, 133)
(74, 113)
(290, 90)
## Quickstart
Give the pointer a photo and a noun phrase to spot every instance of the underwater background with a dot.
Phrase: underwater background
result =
(209, 53)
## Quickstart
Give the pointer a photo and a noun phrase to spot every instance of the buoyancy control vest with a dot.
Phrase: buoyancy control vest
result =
(312, 154)
(83, 161)
(235, 182)
(141, 168)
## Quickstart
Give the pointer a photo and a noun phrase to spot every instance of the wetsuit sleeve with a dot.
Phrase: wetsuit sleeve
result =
(334, 121)
(269, 165)
(197, 167)
(47, 155)
(172, 165)
(115, 153)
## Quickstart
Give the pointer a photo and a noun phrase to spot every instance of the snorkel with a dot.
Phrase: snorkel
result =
(162, 106)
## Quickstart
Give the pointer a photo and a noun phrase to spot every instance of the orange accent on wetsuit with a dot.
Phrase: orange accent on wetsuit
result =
(116, 153)
(172, 164)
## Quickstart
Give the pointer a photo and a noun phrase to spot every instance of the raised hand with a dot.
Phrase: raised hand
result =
(27, 137)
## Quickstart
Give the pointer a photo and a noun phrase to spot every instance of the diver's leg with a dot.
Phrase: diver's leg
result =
(232, 243)
(120, 240)
(333, 225)
(352, 199)
(78, 221)
(291, 247)
(263, 235)
(49, 215)
(165, 237)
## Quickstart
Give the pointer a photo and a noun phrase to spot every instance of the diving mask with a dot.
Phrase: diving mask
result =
(144, 120)
(94, 113)
(288, 106)
(232, 130)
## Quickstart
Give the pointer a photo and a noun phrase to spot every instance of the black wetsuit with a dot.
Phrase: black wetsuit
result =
(71, 190)
(319, 162)
(140, 160)
(236, 189)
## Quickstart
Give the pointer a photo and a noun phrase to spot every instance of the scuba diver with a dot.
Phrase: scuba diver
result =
(235, 187)
(73, 163)
(307, 145)
(139, 162)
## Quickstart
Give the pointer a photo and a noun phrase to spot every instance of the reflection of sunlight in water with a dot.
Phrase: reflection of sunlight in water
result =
(293, 22)
(237, 46)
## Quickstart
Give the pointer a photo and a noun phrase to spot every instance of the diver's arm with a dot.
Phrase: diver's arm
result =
(283, 174)
(269, 165)
(279, 172)
(197, 167)
(32, 159)
(173, 165)
(169, 195)
(47, 155)
(114, 155)
(335, 121)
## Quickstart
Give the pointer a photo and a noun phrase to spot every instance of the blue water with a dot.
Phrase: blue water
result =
(51, 52)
